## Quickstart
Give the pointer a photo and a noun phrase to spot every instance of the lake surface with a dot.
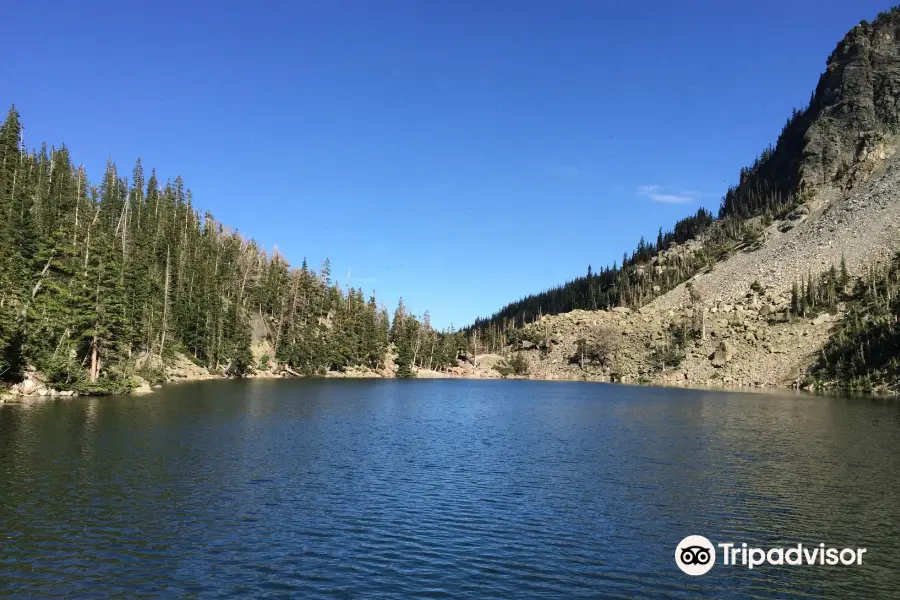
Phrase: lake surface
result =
(442, 489)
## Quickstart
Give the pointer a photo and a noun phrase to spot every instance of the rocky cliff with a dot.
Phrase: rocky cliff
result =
(836, 164)
(855, 111)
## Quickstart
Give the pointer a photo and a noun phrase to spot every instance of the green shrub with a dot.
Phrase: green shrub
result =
(662, 357)
(671, 352)
(503, 368)
(517, 364)
(599, 347)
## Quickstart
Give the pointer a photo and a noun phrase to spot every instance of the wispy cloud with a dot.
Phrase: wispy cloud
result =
(672, 198)
(566, 171)
(667, 194)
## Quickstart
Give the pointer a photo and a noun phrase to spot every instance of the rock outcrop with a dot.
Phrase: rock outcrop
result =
(833, 183)
(856, 106)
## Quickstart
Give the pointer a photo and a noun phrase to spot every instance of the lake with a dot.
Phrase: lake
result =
(442, 489)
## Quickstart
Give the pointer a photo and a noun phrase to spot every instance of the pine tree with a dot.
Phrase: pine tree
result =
(98, 283)
(845, 275)
(406, 347)
(11, 259)
(398, 322)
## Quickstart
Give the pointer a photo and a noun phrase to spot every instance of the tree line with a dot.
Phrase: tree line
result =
(102, 282)
(639, 277)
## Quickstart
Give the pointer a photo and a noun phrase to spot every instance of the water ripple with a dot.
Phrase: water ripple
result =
(441, 490)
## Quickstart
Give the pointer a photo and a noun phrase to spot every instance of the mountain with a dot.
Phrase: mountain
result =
(764, 293)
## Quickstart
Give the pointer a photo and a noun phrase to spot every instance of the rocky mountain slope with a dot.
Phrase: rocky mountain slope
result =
(837, 161)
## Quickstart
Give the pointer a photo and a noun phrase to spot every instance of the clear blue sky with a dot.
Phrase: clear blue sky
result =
(459, 153)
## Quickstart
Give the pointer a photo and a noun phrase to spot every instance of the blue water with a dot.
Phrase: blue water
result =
(441, 489)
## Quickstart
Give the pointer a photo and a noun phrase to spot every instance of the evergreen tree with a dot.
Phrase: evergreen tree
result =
(406, 347)
(99, 283)
(398, 323)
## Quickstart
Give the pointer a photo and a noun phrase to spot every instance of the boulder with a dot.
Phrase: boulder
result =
(765, 310)
(823, 318)
(42, 391)
(799, 213)
(622, 310)
(66, 394)
(142, 386)
(27, 387)
(723, 355)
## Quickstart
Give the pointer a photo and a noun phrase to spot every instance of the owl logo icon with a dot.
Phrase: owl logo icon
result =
(695, 555)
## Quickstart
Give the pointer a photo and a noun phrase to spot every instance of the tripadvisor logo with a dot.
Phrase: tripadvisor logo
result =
(696, 555)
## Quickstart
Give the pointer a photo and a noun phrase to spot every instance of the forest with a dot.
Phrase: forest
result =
(100, 283)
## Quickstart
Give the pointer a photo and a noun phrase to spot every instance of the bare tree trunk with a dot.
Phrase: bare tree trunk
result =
(37, 286)
(12, 195)
(165, 321)
(294, 302)
(216, 269)
(305, 310)
(87, 245)
(182, 255)
(77, 205)
(280, 325)
(95, 344)
(125, 226)
(95, 359)
(219, 326)
(62, 338)
(246, 275)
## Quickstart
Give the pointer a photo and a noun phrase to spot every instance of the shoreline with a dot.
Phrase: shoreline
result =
(425, 375)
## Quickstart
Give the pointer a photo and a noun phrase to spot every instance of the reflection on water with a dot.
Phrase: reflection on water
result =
(357, 489)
